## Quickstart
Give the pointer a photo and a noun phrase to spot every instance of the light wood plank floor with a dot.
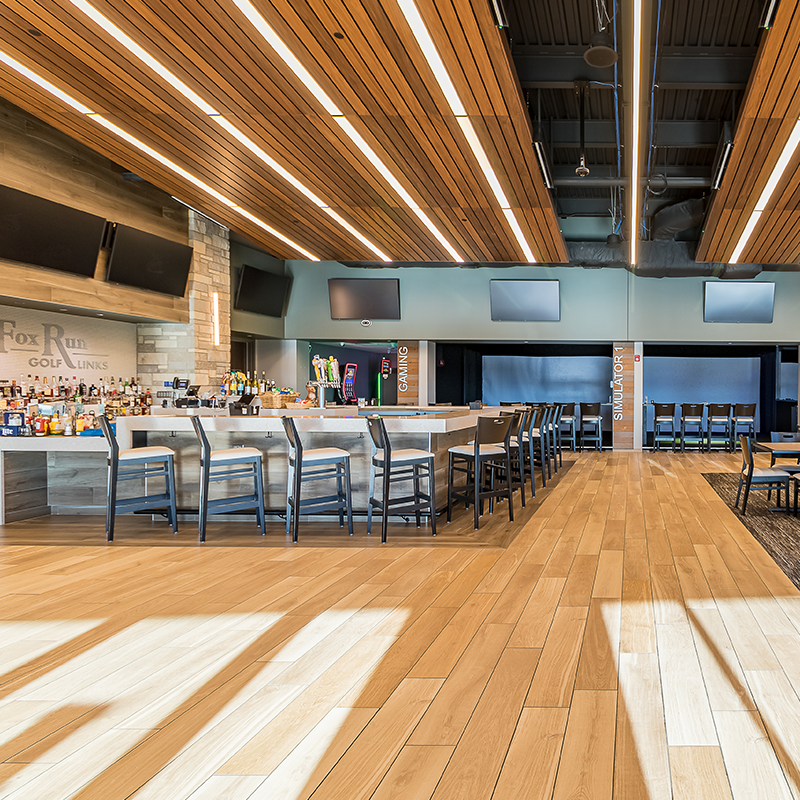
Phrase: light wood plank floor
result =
(630, 641)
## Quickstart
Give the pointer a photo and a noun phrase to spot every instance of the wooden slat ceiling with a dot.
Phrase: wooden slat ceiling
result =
(375, 73)
(768, 116)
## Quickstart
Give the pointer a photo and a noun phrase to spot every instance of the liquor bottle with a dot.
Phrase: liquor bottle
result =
(82, 388)
(45, 387)
(148, 399)
(37, 387)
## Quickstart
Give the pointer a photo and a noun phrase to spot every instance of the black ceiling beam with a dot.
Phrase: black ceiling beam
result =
(602, 134)
(678, 68)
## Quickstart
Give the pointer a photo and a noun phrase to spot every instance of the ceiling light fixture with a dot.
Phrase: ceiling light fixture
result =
(109, 27)
(636, 108)
(149, 151)
(766, 193)
(272, 38)
(423, 37)
(768, 14)
(723, 155)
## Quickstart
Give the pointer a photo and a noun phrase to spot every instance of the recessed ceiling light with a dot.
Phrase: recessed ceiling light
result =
(154, 154)
(279, 46)
(177, 84)
(437, 67)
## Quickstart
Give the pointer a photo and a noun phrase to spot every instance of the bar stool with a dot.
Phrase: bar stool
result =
(744, 422)
(719, 422)
(531, 435)
(397, 466)
(226, 465)
(475, 459)
(664, 425)
(517, 450)
(139, 462)
(305, 466)
(692, 428)
(591, 426)
(566, 426)
(541, 432)
(555, 435)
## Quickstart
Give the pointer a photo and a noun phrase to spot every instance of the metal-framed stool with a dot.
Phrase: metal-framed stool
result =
(531, 435)
(692, 428)
(555, 435)
(719, 424)
(475, 460)
(566, 426)
(389, 467)
(136, 464)
(744, 422)
(225, 465)
(317, 464)
(516, 445)
(664, 425)
(759, 479)
(591, 425)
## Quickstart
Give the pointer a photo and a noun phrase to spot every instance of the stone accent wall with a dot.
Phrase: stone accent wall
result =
(167, 350)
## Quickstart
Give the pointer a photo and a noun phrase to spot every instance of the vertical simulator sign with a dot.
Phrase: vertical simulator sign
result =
(408, 373)
(622, 395)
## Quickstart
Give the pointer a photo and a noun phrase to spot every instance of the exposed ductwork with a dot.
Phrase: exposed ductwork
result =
(672, 219)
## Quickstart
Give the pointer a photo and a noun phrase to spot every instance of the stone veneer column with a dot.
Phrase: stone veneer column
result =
(166, 350)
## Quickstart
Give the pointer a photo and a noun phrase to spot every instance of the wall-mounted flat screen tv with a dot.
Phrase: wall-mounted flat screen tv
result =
(364, 298)
(738, 301)
(47, 234)
(261, 292)
(148, 261)
(525, 301)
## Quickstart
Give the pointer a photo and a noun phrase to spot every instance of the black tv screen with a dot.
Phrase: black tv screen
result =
(364, 298)
(149, 262)
(738, 301)
(47, 234)
(525, 301)
(261, 292)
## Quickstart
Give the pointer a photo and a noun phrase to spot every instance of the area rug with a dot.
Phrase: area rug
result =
(778, 532)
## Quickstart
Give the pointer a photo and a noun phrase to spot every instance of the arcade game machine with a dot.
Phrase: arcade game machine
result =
(349, 383)
(383, 375)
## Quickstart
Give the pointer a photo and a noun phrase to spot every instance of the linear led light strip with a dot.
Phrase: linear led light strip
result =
(154, 154)
(209, 110)
(772, 183)
(439, 70)
(272, 38)
(636, 126)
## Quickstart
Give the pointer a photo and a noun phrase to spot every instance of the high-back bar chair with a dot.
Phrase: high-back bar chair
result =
(225, 465)
(566, 426)
(318, 464)
(474, 460)
(591, 425)
(664, 425)
(692, 425)
(744, 422)
(719, 427)
(136, 464)
(389, 467)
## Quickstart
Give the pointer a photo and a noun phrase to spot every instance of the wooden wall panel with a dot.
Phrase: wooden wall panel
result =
(408, 373)
(622, 396)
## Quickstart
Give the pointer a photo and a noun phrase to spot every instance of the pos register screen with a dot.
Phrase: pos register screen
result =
(364, 298)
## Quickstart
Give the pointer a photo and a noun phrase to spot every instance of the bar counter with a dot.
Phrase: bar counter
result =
(67, 475)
